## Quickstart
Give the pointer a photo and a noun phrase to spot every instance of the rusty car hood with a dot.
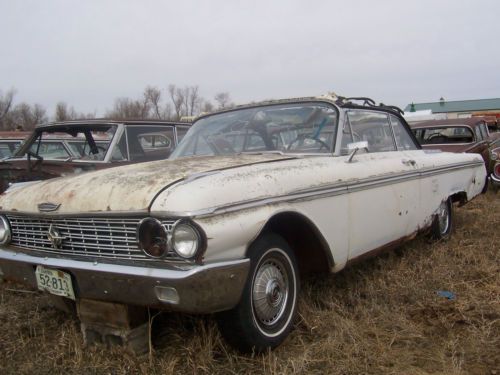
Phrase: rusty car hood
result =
(128, 188)
(20, 170)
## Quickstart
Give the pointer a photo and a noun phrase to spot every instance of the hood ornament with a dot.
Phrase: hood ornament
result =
(48, 207)
(55, 237)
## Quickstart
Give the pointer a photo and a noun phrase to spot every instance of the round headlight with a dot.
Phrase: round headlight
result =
(4, 231)
(185, 240)
(152, 237)
(494, 155)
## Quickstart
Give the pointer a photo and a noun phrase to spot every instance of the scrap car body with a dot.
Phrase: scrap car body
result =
(471, 135)
(251, 199)
(60, 149)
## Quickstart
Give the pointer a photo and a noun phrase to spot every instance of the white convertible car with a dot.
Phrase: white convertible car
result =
(252, 198)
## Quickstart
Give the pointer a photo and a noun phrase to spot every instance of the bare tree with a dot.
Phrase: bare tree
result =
(5, 106)
(153, 96)
(207, 106)
(39, 114)
(26, 117)
(126, 108)
(64, 113)
(194, 101)
(167, 113)
(223, 100)
(177, 98)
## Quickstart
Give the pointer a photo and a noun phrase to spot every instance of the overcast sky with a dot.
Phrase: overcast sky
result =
(88, 53)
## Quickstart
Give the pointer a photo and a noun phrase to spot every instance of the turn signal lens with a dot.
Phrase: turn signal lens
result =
(152, 237)
(4, 231)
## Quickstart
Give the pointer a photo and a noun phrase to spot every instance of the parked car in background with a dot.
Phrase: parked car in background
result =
(59, 149)
(251, 199)
(469, 135)
(10, 141)
(492, 120)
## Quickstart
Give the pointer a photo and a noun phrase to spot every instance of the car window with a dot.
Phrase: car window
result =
(403, 139)
(149, 142)
(120, 150)
(181, 132)
(288, 128)
(372, 127)
(50, 150)
(484, 130)
(444, 135)
(7, 148)
(479, 135)
(63, 142)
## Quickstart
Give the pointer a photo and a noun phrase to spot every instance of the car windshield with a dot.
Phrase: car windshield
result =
(71, 142)
(7, 148)
(444, 135)
(286, 128)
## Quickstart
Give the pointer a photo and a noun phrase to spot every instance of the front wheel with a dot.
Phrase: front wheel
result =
(264, 316)
(443, 221)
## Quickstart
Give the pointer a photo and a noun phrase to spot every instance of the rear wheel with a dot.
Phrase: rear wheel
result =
(264, 316)
(443, 221)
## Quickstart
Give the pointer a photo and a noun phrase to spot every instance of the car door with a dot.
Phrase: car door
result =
(384, 190)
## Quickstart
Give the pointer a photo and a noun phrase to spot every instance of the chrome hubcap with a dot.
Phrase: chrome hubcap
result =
(270, 292)
(443, 218)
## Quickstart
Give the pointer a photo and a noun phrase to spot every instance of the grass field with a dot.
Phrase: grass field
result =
(383, 316)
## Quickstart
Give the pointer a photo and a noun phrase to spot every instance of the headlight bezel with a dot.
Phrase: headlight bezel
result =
(140, 233)
(7, 231)
(200, 239)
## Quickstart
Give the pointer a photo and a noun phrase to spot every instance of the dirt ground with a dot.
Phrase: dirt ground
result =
(383, 316)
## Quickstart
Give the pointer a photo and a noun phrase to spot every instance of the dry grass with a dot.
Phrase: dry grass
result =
(380, 317)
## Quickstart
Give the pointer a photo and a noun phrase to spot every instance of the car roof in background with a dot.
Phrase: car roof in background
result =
(14, 134)
(104, 122)
(471, 122)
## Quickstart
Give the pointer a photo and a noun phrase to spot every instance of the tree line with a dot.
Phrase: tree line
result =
(172, 104)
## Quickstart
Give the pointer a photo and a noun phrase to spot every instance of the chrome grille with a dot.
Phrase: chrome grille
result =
(112, 238)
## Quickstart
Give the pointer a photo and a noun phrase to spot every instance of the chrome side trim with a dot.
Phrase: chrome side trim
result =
(325, 191)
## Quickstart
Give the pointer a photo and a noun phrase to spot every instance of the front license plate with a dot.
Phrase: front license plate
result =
(55, 282)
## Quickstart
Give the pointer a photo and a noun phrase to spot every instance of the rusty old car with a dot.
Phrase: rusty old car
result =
(469, 135)
(63, 148)
(252, 199)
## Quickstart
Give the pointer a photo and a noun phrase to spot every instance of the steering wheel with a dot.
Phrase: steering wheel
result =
(435, 135)
(302, 138)
(101, 150)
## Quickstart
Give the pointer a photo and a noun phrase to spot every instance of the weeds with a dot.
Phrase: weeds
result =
(383, 316)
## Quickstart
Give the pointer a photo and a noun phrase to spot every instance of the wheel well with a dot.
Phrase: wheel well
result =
(460, 197)
(308, 244)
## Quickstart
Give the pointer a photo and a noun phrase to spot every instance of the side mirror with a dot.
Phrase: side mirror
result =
(355, 147)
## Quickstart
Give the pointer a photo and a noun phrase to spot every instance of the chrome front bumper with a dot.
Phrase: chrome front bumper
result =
(197, 289)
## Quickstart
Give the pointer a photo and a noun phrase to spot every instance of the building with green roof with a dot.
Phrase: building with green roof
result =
(458, 108)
